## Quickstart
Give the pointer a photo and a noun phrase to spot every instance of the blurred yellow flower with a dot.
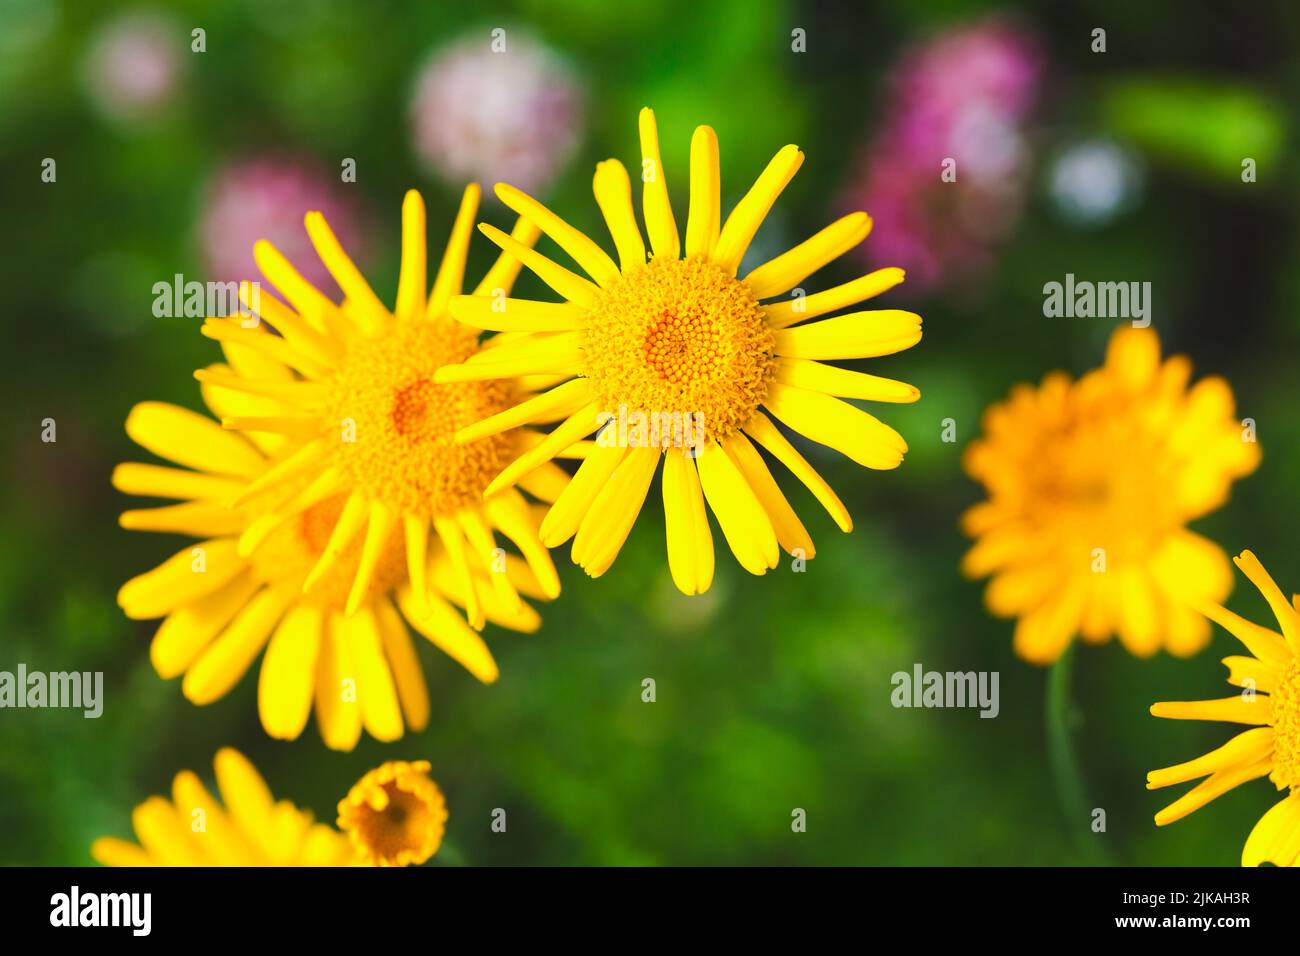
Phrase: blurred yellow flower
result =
(252, 829)
(676, 355)
(395, 815)
(317, 500)
(1270, 703)
(1091, 485)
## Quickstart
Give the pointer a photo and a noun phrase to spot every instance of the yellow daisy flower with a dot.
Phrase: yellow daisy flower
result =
(252, 829)
(395, 815)
(338, 487)
(1091, 485)
(1270, 704)
(678, 352)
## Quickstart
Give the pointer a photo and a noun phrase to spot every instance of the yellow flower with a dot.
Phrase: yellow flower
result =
(1091, 485)
(253, 829)
(1270, 704)
(338, 487)
(395, 815)
(678, 352)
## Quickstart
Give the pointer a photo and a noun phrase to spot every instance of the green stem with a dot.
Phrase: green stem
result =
(1061, 715)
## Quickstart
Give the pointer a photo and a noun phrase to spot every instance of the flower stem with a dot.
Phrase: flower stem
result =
(1061, 716)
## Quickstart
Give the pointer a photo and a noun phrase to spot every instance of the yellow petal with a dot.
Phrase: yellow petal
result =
(512, 515)
(451, 271)
(570, 285)
(575, 428)
(761, 429)
(228, 658)
(613, 191)
(191, 627)
(686, 525)
(1247, 747)
(856, 335)
(288, 675)
(447, 631)
(407, 672)
(188, 575)
(610, 519)
(501, 314)
(790, 532)
(363, 302)
(381, 714)
(1211, 787)
(500, 279)
(790, 268)
(411, 284)
(1287, 618)
(192, 440)
(704, 219)
(564, 517)
(1276, 837)
(843, 383)
(837, 424)
(560, 402)
(801, 308)
(159, 481)
(247, 798)
(583, 251)
(1256, 710)
(750, 212)
(1133, 355)
(337, 712)
(745, 524)
(660, 225)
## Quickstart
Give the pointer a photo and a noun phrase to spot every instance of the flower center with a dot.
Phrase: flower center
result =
(395, 815)
(290, 552)
(1285, 699)
(680, 337)
(395, 426)
(1102, 483)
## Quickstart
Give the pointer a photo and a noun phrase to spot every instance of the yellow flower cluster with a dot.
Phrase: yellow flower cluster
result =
(369, 472)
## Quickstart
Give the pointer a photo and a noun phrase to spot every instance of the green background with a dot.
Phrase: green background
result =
(773, 693)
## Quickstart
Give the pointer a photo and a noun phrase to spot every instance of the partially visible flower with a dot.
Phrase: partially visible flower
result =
(133, 68)
(1093, 181)
(394, 815)
(1269, 703)
(679, 360)
(263, 198)
(945, 175)
(251, 829)
(497, 115)
(1091, 486)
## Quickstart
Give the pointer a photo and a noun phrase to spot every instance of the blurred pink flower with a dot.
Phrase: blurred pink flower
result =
(513, 116)
(964, 96)
(133, 68)
(266, 197)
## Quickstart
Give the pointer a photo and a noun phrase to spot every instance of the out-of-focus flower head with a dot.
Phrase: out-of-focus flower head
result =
(1093, 181)
(945, 178)
(497, 107)
(263, 197)
(133, 68)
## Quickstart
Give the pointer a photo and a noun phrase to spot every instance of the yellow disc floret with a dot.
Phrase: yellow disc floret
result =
(680, 337)
(395, 426)
(1285, 699)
